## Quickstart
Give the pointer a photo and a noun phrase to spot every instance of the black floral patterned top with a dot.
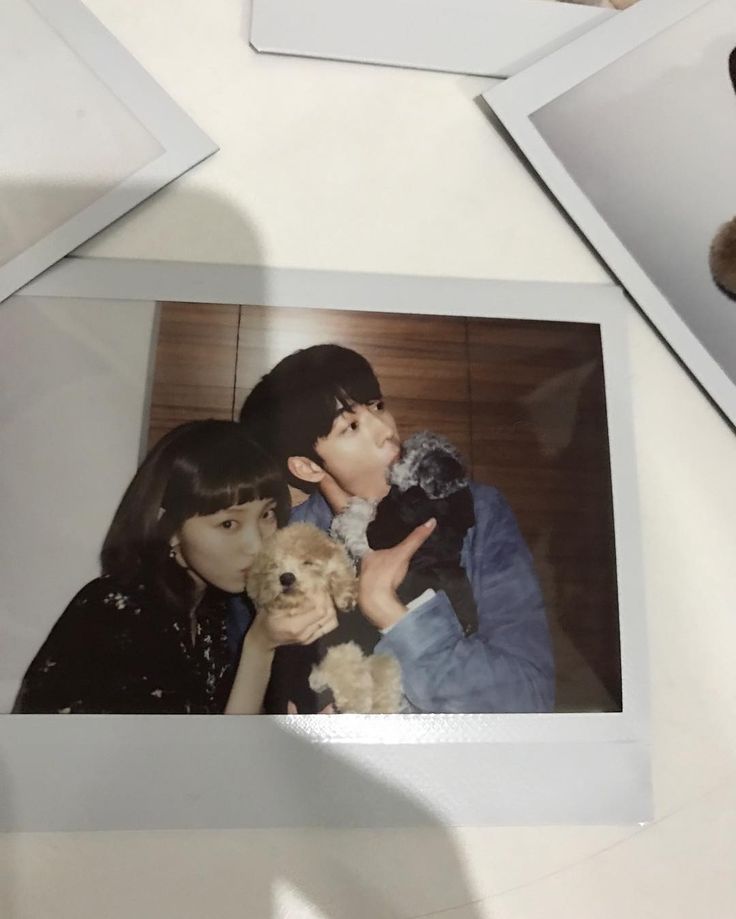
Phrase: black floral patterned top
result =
(116, 651)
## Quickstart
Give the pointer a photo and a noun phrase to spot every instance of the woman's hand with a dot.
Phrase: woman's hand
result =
(381, 572)
(266, 633)
(314, 620)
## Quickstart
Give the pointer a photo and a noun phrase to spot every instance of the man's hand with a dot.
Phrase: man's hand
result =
(309, 624)
(382, 571)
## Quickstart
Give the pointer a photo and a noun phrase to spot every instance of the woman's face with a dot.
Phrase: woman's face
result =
(218, 549)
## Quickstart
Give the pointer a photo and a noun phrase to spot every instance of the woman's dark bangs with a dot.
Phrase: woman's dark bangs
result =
(229, 481)
(268, 485)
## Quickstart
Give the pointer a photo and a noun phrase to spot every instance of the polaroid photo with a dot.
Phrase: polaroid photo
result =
(87, 134)
(493, 38)
(633, 128)
(158, 448)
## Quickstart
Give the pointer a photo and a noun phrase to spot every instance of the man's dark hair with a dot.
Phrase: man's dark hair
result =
(296, 403)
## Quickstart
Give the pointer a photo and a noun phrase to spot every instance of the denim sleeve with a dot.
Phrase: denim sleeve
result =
(506, 666)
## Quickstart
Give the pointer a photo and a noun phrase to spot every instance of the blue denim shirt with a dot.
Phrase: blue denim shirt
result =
(507, 665)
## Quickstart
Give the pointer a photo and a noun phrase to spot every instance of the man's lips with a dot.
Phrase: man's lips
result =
(393, 457)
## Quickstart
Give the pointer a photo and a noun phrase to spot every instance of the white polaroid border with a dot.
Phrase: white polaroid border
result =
(183, 143)
(142, 772)
(486, 37)
(515, 103)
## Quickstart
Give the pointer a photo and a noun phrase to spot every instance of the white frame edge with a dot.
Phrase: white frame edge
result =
(482, 37)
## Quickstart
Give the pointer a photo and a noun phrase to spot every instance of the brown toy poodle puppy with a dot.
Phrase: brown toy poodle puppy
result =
(295, 564)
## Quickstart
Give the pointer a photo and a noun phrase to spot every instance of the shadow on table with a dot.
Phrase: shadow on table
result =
(84, 773)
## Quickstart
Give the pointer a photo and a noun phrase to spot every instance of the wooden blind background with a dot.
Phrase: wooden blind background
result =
(523, 400)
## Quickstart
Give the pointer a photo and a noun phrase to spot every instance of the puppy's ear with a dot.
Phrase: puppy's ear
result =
(301, 467)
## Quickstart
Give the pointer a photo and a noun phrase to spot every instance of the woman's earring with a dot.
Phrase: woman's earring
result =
(172, 553)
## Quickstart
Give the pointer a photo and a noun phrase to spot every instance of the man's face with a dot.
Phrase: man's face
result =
(359, 449)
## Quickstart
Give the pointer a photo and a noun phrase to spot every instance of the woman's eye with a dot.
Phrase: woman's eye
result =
(269, 514)
(379, 405)
(227, 524)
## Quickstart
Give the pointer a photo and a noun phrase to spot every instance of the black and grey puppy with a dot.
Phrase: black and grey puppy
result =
(429, 480)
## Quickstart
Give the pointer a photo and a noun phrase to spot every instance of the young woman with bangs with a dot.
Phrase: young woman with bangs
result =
(154, 633)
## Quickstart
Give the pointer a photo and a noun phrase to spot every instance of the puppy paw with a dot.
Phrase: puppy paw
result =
(345, 598)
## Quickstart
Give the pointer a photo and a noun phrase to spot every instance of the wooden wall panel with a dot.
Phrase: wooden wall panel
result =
(539, 433)
(526, 385)
(420, 361)
(195, 364)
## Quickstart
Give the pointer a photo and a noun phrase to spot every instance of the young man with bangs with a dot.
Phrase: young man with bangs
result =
(321, 413)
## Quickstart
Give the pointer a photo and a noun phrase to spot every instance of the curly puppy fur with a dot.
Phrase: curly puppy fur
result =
(431, 462)
(296, 563)
(350, 526)
(359, 684)
(429, 480)
(723, 258)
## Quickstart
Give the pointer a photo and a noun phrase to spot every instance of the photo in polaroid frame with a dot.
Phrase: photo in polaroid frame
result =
(524, 404)
(522, 400)
(618, 126)
(89, 134)
(590, 764)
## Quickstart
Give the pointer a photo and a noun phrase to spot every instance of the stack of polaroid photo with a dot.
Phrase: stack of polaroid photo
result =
(356, 495)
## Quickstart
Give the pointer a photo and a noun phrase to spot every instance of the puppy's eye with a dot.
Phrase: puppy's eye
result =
(307, 562)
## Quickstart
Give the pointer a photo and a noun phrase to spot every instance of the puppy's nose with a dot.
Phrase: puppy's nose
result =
(287, 579)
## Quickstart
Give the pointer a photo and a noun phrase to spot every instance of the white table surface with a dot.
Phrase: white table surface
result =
(327, 165)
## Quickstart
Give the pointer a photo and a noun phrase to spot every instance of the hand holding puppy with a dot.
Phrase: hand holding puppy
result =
(381, 573)
(275, 627)
(298, 582)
